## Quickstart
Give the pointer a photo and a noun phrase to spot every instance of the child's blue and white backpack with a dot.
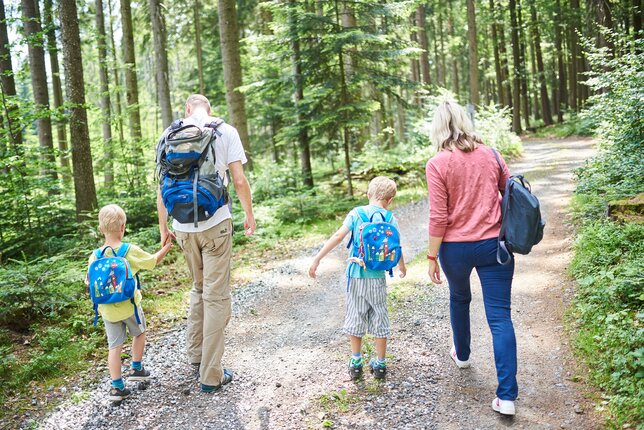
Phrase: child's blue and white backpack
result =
(378, 243)
(110, 280)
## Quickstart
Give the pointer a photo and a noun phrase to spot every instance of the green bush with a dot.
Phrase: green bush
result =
(608, 311)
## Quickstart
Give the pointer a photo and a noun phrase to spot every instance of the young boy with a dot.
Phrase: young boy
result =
(367, 289)
(119, 316)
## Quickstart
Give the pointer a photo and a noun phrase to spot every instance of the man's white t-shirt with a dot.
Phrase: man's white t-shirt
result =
(228, 149)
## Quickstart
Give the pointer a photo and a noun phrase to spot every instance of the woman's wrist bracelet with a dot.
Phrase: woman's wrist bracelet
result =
(431, 257)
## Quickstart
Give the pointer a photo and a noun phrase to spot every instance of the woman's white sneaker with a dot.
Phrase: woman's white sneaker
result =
(505, 407)
(461, 364)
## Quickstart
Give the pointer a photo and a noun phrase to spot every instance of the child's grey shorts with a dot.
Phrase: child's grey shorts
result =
(116, 334)
(367, 308)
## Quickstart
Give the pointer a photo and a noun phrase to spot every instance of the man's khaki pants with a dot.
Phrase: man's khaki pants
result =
(208, 257)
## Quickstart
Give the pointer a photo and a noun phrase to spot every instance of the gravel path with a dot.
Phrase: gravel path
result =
(286, 347)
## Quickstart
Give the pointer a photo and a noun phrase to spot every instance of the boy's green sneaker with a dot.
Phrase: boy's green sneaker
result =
(355, 368)
(378, 368)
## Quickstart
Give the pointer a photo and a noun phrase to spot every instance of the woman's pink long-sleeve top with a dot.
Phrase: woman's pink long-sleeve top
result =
(464, 200)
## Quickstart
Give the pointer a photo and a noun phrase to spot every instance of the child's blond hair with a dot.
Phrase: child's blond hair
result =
(381, 188)
(111, 218)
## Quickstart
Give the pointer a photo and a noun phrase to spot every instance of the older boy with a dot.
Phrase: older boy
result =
(120, 316)
(367, 289)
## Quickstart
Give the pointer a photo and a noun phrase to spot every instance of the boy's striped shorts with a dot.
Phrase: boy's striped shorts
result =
(367, 307)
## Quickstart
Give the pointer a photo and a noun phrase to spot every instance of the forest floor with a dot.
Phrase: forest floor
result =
(286, 347)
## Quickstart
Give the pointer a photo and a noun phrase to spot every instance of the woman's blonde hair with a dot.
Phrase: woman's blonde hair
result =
(452, 128)
(111, 218)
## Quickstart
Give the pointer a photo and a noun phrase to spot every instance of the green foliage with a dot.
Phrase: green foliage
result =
(609, 258)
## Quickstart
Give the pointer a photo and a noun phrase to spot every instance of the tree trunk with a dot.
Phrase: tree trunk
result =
(106, 113)
(229, 39)
(346, 134)
(8, 93)
(543, 90)
(34, 36)
(516, 75)
(298, 96)
(497, 58)
(198, 49)
(61, 129)
(421, 22)
(637, 18)
(523, 73)
(117, 85)
(413, 62)
(161, 60)
(441, 59)
(450, 29)
(605, 19)
(434, 38)
(473, 53)
(561, 78)
(533, 79)
(131, 82)
(85, 190)
(505, 68)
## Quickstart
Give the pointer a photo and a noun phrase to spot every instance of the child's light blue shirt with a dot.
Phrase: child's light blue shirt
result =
(353, 222)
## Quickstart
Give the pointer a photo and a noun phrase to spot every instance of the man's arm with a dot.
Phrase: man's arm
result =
(162, 212)
(242, 188)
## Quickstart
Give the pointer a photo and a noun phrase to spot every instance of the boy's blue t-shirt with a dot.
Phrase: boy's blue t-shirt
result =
(353, 223)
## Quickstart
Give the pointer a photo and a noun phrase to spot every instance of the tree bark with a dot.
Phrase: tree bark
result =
(115, 75)
(34, 36)
(441, 59)
(505, 68)
(131, 82)
(473, 53)
(421, 22)
(525, 108)
(161, 60)
(561, 71)
(85, 190)
(605, 19)
(516, 79)
(543, 90)
(346, 134)
(106, 113)
(637, 18)
(497, 58)
(198, 49)
(298, 96)
(450, 29)
(8, 93)
(229, 39)
(61, 129)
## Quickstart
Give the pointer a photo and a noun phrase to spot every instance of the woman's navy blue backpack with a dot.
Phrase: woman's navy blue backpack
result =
(521, 222)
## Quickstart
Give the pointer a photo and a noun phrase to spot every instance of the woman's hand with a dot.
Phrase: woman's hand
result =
(434, 272)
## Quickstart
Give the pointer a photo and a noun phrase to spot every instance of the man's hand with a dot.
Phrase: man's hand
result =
(167, 236)
(249, 226)
(434, 272)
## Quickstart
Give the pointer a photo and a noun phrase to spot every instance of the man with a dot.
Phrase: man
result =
(207, 249)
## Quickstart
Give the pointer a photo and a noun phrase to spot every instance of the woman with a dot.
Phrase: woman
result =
(464, 180)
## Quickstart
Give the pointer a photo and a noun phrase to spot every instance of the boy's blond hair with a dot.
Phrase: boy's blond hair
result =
(110, 218)
(381, 188)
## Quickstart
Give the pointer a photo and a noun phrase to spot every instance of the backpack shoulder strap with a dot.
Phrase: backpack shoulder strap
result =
(123, 249)
(362, 214)
(98, 253)
(215, 125)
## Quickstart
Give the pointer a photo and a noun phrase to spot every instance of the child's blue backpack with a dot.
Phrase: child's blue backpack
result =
(378, 243)
(110, 280)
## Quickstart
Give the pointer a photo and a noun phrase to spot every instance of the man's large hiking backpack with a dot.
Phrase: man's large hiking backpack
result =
(377, 243)
(110, 280)
(191, 188)
(521, 222)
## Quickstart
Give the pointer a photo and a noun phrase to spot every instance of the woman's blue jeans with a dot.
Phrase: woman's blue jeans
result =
(457, 260)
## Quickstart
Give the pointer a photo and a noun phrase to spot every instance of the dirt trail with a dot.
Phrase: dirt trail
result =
(286, 347)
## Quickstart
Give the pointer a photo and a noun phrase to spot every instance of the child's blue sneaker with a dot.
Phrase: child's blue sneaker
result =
(378, 368)
(355, 368)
